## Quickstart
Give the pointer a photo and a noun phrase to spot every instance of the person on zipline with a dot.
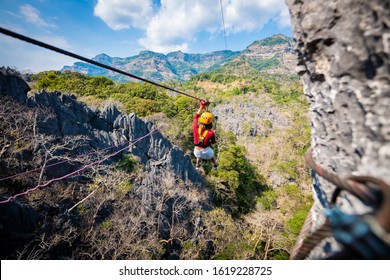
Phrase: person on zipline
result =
(204, 136)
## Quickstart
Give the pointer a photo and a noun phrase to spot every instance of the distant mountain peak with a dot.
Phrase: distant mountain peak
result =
(176, 52)
(103, 58)
(102, 55)
(182, 66)
(147, 52)
(277, 39)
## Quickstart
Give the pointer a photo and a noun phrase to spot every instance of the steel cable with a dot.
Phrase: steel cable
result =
(90, 61)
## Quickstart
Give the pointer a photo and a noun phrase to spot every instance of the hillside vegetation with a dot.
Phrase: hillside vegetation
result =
(260, 193)
(273, 54)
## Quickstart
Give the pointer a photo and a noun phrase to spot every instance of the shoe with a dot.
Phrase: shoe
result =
(216, 166)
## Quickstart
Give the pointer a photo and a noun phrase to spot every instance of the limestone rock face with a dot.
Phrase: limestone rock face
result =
(100, 129)
(343, 59)
(13, 85)
(166, 168)
(17, 222)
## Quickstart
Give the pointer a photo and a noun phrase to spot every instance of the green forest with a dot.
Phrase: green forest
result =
(241, 188)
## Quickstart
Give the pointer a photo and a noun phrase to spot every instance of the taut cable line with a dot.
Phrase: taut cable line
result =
(90, 61)
(223, 24)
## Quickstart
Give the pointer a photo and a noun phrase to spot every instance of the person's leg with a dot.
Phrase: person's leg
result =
(211, 157)
(214, 163)
(198, 160)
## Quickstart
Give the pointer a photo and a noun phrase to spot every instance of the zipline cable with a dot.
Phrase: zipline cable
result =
(223, 23)
(90, 61)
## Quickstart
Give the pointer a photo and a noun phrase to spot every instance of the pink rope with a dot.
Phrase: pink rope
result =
(76, 171)
(54, 164)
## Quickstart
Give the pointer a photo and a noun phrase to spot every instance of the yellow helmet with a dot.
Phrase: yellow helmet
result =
(206, 118)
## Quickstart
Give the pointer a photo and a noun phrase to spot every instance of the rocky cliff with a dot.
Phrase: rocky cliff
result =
(343, 59)
(70, 129)
(101, 129)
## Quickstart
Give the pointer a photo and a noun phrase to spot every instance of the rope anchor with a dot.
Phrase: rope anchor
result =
(361, 236)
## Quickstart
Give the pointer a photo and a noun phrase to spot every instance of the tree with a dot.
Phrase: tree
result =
(239, 183)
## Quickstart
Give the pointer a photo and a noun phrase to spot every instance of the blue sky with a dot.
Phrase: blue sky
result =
(122, 28)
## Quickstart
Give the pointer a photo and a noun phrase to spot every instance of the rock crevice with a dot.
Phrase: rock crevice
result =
(343, 57)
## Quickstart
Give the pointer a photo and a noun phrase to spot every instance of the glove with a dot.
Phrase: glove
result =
(203, 102)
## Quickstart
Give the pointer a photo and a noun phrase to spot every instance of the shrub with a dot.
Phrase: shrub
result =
(127, 163)
(296, 222)
(268, 199)
(124, 187)
(240, 179)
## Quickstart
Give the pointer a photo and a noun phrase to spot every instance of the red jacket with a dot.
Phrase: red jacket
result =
(209, 137)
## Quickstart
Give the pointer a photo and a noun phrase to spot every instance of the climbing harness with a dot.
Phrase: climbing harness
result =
(361, 236)
(202, 136)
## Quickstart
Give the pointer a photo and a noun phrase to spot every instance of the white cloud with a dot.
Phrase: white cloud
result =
(284, 19)
(250, 15)
(124, 14)
(179, 22)
(32, 15)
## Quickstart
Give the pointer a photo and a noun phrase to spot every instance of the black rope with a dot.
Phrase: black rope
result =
(79, 57)
(223, 23)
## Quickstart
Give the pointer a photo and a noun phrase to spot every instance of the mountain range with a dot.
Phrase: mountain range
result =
(273, 54)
